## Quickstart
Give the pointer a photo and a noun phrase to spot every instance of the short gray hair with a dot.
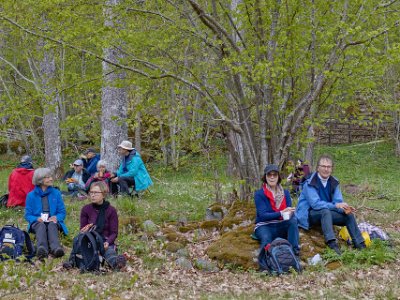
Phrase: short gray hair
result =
(101, 162)
(40, 174)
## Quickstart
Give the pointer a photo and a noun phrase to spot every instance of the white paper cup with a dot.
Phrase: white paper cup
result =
(286, 215)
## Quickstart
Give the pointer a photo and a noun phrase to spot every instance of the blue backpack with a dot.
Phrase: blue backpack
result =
(279, 258)
(12, 243)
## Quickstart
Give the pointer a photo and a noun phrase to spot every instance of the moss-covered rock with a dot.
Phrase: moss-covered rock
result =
(239, 212)
(174, 246)
(236, 247)
(211, 224)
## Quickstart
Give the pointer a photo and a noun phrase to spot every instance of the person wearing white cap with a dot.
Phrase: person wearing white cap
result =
(76, 178)
(20, 182)
(131, 172)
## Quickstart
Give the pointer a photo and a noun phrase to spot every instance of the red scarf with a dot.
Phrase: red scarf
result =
(270, 196)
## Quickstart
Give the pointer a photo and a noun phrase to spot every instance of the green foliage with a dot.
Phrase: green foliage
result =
(378, 253)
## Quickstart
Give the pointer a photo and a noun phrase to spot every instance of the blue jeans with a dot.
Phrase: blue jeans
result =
(285, 229)
(327, 218)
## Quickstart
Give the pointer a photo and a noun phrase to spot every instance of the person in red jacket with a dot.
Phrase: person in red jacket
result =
(20, 182)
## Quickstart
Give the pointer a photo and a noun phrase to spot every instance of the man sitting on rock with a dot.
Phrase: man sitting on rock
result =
(321, 203)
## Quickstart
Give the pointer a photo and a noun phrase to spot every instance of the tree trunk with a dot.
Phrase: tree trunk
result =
(114, 99)
(51, 121)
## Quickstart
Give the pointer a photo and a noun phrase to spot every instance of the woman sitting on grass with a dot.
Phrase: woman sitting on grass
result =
(45, 213)
(102, 174)
(274, 214)
(104, 217)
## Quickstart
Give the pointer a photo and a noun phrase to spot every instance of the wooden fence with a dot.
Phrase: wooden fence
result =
(339, 132)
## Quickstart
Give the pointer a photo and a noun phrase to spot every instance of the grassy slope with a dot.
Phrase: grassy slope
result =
(186, 194)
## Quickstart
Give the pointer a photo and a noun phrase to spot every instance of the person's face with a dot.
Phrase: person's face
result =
(325, 168)
(101, 169)
(272, 178)
(96, 195)
(47, 181)
(90, 155)
(122, 151)
(78, 168)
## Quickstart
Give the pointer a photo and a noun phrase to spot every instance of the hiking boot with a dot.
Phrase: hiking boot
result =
(120, 262)
(67, 265)
(42, 252)
(335, 247)
(59, 252)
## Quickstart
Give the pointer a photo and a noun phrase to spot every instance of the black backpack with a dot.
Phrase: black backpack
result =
(4, 200)
(87, 251)
(12, 243)
(279, 258)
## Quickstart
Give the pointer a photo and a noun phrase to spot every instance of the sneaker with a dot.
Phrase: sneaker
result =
(335, 247)
(59, 252)
(42, 252)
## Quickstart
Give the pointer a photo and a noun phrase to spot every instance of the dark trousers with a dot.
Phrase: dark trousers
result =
(123, 183)
(327, 218)
(285, 229)
(46, 235)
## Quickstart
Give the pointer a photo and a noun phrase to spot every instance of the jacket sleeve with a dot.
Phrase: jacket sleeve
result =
(312, 196)
(288, 198)
(133, 167)
(113, 227)
(29, 209)
(263, 209)
(60, 210)
(84, 217)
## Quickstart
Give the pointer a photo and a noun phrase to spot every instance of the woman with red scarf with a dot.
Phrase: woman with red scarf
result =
(272, 203)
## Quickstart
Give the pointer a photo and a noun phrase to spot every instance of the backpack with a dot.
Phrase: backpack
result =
(12, 243)
(4, 200)
(87, 251)
(278, 257)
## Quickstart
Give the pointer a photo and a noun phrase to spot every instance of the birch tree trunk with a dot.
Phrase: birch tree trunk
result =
(51, 121)
(114, 98)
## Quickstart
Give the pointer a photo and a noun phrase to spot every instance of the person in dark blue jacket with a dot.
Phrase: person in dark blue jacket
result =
(274, 214)
(45, 213)
(90, 160)
(321, 203)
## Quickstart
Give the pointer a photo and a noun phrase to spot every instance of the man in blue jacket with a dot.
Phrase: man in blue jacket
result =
(90, 160)
(321, 203)
(131, 172)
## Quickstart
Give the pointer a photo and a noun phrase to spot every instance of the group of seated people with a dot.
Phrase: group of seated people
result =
(90, 168)
(320, 204)
(44, 206)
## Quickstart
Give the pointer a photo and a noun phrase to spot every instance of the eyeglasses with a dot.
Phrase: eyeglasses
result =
(77, 165)
(272, 174)
(94, 193)
(325, 167)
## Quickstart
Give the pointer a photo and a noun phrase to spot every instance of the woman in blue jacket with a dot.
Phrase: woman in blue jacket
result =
(131, 172)
(45, 213)
(274, 214)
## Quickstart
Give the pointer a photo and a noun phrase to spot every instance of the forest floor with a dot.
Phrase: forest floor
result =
(369, 171)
